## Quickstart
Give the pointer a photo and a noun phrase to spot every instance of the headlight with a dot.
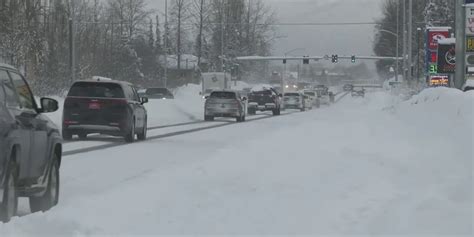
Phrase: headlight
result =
(287, 86)
(294, 86)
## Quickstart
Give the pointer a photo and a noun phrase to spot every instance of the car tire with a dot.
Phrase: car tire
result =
(82, 135)
(67, 135)
(9, 206)
(130, 136)
(142, 135)
(252, 111)
(51, 196)
(302, 109)
(208, 118)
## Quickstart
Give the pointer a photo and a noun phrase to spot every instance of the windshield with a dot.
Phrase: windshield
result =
(94, 89)
(257, 118)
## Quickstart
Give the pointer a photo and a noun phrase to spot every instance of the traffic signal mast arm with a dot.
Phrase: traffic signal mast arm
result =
(315, 58)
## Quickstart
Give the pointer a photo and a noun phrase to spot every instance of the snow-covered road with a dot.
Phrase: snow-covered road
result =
(367, 166)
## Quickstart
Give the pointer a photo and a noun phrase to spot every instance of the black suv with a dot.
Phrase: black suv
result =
(158, 93)
(106, 107)
(30, 147)
(264, 100)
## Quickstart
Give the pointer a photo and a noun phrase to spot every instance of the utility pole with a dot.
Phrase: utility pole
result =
(397, 62)
(166, 45)
(410, 40)
(460, 75)
(72, 47)
(404, 39)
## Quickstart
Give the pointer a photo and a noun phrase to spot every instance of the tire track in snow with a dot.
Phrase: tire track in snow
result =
(171, 134)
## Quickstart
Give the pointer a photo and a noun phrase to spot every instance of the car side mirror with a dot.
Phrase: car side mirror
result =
(48, 105)
(144, 100)
(206, 97)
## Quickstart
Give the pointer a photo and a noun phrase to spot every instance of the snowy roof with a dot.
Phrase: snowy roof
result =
(447, 41)
(438, 28)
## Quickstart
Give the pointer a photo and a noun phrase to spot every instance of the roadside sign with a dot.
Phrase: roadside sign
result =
(470, 59)
(470, 44)
(469, 21)
(435, 35)
(439, 80)
(446, 58)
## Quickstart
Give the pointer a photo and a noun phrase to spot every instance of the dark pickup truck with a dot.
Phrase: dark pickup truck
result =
(264, 100)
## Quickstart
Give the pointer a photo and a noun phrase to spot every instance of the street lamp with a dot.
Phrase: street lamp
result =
(397, 51)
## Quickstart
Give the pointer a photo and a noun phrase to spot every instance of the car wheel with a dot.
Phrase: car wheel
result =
(142, 136)
(9, 205)
(82, 135)
(208, 118)
(302, 109)
(51, 197)
(67, 135)
(130, 136)
(252, 111)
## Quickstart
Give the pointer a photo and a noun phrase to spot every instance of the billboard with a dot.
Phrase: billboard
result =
(439, 80)
(446, 58)
(434, 36)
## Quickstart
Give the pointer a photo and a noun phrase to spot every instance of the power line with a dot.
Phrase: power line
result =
(238, 23)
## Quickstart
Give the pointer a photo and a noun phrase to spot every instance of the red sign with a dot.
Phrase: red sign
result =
(434, 36)
(434, 57)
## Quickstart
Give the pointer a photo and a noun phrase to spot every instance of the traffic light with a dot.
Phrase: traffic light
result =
(335, 58)
(284, 61)
(306, 61)
(353, 59)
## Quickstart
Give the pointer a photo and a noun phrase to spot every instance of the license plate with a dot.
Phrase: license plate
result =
(94, 105)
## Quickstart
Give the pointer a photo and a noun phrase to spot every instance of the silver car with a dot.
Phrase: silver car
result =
(227, 104)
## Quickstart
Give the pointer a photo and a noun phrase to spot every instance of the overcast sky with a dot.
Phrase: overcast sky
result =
(321, 40)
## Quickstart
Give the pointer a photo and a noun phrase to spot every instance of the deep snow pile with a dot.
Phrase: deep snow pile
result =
(365, 166)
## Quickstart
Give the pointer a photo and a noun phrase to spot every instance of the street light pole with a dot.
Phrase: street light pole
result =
(410, 41)
(166, 44)
(460, 75)
(397, 51)
(397, 63)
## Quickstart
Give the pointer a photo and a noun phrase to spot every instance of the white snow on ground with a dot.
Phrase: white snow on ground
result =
(365, 166)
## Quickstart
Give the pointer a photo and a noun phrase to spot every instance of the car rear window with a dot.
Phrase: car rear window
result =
(99, 90)
(262, 93)
(223, 95)
(292, 94)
